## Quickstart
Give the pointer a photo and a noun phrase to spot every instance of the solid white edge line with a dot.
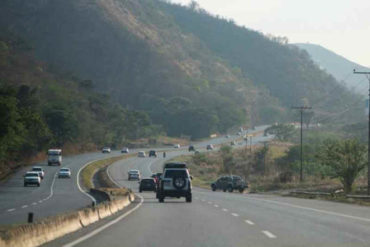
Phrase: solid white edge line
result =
(225, 210)
(249, 222)
(10, 210)
(25, 206)
(78, 181)
(235, 215)
(216, 206)
(98, 230)
(312, 209)
(269, 234)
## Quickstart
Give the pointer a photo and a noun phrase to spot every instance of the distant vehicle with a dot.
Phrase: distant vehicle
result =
(125, 151)
(134, 175)
(152, 153)
(54, 157)
(39, 170)
(32, 178)
(64, 173)
(233, 143)
(210, 147)
(141, 154)
(229, 183)
(175, 182)
(147, 184)
(191, 148)
(176, 146)
(106, 150)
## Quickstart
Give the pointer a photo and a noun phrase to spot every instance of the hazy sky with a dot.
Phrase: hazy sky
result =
(342, 26)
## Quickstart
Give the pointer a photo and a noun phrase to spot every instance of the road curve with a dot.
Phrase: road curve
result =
(225, 219)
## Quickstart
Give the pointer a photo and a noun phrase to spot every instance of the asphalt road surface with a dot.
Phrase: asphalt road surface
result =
(222, 219)
(58, 195)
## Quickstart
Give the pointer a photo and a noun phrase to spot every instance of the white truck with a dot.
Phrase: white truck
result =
(54, 157)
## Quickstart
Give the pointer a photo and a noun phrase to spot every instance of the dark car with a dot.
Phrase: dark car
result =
(147, 184)
(191, 148)
(152, 153)
(229, 183)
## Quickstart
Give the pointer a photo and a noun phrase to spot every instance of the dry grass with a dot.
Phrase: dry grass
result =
(88, 172)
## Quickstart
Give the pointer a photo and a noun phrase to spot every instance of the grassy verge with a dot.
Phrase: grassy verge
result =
(202, 176)
(88, 172)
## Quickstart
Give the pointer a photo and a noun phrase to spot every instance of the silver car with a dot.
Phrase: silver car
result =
(64, 173)
(32, 178)
(39, 170)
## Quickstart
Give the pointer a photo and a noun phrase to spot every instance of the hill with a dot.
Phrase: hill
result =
(338, 66)
(40, 109)
(192, 72)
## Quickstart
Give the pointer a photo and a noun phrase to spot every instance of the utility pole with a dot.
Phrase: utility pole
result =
(367, 74)
(301, 109)
(250, 143)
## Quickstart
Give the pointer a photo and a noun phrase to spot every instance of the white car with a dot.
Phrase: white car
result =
(134, 175)
(32, 178)
(106, 150)
(141, 154)
(64, 173)
(176, 146)
(39, 170)
(125, 151)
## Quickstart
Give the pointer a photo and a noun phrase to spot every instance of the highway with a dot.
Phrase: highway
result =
(56, 195)
(222, 219)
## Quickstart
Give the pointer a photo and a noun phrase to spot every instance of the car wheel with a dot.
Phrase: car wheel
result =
(140, 191)
(213, 188)
(230, 189)
(189, 198)
(224, 189)
(38, 185)
(179, 182)
(241, 190)
(161, 199)
(25, 184)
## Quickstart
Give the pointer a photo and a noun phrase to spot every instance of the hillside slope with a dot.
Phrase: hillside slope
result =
(193, 73)
(338, 66)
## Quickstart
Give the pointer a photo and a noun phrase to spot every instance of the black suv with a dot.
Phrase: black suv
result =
(191, 148)
(152, 153)
(229, 183)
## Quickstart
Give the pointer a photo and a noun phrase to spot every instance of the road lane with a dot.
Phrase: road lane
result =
(238, 219)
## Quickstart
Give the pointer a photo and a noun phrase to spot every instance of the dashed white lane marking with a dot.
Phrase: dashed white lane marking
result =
(209, 202)
(249, 222)
(24, 206)
(216, 206)
(225, 210)
(35, 203)
(40, 201)
(10, 210)
(269, 234)
(203, 200)
(235, 215)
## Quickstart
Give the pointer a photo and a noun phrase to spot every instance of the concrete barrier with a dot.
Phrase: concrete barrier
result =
(38, 233)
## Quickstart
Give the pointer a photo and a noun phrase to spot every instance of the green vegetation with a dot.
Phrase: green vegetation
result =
(193, 73)
(282, 132)
(347, 158)
(40, 110)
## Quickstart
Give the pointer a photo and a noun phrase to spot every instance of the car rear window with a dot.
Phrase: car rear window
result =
(175, 173)
(36, 169)
(64, 170)
(30, 175)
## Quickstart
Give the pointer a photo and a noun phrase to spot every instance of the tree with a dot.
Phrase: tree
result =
(347, 158)
(281, 131)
